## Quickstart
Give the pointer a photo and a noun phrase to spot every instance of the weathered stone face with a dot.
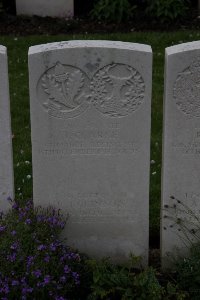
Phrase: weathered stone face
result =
(6, 161)
(181, 148)
(90, 118)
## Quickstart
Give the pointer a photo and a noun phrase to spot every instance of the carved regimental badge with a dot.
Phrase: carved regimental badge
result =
(63, 91)
(187, 89)
(115, 90)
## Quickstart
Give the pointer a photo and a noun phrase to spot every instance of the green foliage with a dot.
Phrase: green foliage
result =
(167, 10)
(185, 221)
(188, 272)
(173, 291)
(112, 10)
(111, 282)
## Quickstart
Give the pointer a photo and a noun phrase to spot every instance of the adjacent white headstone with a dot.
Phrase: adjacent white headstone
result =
(44, 8)
(90, 119)
(181, 149)
(6, 162)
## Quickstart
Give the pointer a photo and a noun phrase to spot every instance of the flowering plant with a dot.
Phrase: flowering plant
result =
(34, 263)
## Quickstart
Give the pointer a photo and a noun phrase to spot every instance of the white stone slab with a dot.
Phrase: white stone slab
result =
(181, 148)
(44, 8)
(90, 119)
(6, 161)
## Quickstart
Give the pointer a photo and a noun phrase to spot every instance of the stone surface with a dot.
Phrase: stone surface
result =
(43, 8)
(181, 148)
(6, 163)
(90, 119)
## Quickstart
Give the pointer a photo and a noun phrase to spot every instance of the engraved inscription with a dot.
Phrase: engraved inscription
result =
(187, 89)
(84, 140)
(95, 148)
(65, 91)
(117, 90)
(189, 147)
(93, 206)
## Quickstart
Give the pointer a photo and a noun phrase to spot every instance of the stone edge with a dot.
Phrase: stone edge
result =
(184, 47)
(89, 44)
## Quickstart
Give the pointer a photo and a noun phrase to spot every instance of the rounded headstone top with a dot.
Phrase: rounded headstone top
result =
(3, 49)
(184, 47)
(89, 44)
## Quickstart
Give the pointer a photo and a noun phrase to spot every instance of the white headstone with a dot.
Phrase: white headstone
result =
(44, 8)
(90, 118)
(6, 162)
(181, 149)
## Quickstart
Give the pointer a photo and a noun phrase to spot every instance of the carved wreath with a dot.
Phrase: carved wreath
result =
(187, 90)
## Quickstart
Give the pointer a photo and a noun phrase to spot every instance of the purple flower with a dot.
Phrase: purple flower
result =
(41, 247)
(23, 280)
(15, 206)
(2, 228)
(22, 213)
(28, 221)
(52, 220)
(30, 261)
(59, 298)
(26, 290)
(67, 269)
(76, 277)
(61, 224)
(5, 289)
(11, 257)
(14, 246)
(62, 258)
(29, 205)
(37, 273)
(14, 232)
(53, 246)
(15, 282)
(47, 279)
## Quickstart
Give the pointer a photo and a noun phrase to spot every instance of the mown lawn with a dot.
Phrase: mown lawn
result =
(18, 75)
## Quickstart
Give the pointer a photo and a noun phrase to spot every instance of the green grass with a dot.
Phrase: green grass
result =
(18, 75)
